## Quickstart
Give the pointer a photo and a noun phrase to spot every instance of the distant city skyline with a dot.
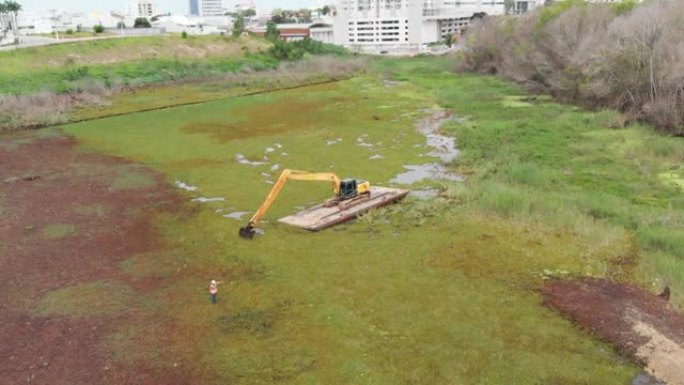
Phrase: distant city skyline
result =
(178, 7)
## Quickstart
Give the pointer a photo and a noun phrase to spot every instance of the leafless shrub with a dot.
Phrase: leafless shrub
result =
(594, 55)
(37, 110)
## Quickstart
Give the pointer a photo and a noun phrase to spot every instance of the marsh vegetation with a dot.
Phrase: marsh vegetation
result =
(441, 289)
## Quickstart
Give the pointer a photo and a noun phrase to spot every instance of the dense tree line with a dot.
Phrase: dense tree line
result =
(623, 55)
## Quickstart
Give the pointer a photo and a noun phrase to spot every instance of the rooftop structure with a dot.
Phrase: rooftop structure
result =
(318, 31)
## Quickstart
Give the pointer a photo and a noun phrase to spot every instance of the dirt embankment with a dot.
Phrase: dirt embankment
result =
(638, 323)
(67, 219)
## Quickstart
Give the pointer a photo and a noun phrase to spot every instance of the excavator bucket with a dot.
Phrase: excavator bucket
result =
(247, 232)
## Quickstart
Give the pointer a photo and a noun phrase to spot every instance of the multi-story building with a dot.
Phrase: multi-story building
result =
(408, 25)
(206, 8)
(142, 8)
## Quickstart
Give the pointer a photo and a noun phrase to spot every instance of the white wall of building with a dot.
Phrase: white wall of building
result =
(387, 24)
(323, 34)
(142, 8)
(209, 8)
(31, 23)
(193, 25)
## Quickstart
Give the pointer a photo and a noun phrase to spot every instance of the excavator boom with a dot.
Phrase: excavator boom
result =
(248, 231)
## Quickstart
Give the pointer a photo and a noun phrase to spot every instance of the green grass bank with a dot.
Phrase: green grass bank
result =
(532, 160)
(125, 61)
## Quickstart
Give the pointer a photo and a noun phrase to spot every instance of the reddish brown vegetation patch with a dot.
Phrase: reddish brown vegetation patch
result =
(47, 184)
(637, 322)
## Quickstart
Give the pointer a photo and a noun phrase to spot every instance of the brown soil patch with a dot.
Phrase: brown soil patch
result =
(638, 323)
(62, 224)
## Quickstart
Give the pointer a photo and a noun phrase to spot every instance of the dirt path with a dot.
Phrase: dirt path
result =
(637, 322)
(68, 218)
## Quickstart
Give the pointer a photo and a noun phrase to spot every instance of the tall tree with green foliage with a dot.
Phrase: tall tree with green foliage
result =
(272, 32)
(249, 13)
(11, 7)
(325, 10)
(238, 26)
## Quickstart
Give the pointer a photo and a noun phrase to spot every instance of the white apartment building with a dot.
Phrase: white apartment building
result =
(142, 8)
(406, 25)
(206, 8)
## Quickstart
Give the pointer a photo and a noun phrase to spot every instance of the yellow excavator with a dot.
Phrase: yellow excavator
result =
(346, 192)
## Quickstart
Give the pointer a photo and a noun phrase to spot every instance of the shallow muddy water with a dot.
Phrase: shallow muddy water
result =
(237, 215)
(443, 147)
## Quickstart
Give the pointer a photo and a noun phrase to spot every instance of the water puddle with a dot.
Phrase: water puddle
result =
(443, 147)
(361, 141)
(185, 186)
(376, 156)
(243, 160)
(269, 150)
(390, 83)
(646, 379)
(275, 167)
(236, 215)
(425, 194)
(208, 200)
(330, 142)
(419, 173)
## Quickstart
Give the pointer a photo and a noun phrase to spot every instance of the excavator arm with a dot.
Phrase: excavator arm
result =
(248, 231)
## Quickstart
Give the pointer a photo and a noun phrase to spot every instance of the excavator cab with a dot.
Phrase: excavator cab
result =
(348, 189)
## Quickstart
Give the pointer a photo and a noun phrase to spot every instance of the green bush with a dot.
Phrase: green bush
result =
(73, 74)
(98, 28)
(296, 50)
(184, 35)
(142, 22)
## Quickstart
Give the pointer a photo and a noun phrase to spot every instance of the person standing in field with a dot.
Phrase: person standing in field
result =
(213, 291)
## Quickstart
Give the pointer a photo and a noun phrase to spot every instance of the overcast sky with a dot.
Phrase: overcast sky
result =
(179, 7)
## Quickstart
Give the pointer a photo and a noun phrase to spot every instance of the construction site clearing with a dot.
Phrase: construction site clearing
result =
(322, 216)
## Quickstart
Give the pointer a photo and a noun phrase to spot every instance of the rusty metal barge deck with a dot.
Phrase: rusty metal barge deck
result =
(320, 217)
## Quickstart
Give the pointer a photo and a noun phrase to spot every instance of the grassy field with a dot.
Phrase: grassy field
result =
(124, 61)
(46, 86)
(440, 291)
(532, 160)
